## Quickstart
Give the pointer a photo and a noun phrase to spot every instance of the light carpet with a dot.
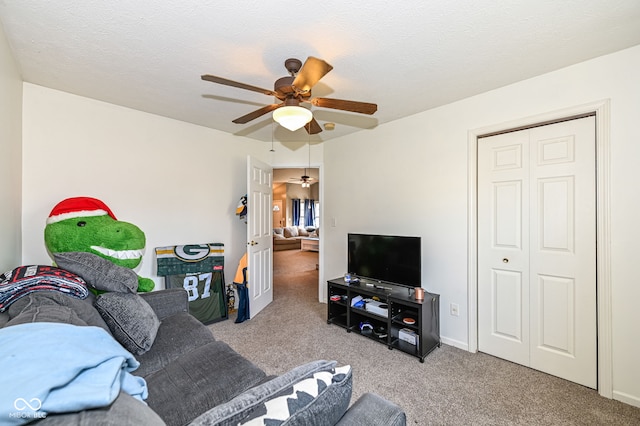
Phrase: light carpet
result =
(452, 386)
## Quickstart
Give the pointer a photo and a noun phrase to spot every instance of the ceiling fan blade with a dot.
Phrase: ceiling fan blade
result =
(257, 113)
(313, 127)
(353, 106)
(310, 73)
(227, 82)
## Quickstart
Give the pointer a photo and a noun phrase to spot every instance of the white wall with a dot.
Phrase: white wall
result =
(10, 155)
(180, 183)
(412, 180)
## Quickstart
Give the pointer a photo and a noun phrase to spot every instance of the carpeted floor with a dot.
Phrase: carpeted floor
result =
(452, 387)
(288, 262)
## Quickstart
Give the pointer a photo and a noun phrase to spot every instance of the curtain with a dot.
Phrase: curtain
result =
(309, 212)
(295, 207)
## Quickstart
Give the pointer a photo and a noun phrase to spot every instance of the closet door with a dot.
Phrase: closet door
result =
(503, 246)
(536, 248)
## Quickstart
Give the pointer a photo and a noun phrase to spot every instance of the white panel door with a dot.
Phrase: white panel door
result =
(563, 250)
(259, 241)
(503, 246)
(536, 248)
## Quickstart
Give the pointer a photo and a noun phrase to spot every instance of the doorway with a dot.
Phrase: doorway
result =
(292, 258)
(603, 235)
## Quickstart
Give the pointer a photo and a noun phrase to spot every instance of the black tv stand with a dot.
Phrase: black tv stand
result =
(392, 327)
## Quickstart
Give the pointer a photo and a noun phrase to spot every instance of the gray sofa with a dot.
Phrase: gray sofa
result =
(191, 377)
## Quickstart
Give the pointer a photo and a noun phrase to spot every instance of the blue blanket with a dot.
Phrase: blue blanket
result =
(57, 368)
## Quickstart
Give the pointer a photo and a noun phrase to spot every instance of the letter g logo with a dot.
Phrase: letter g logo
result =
(192, 252)
(22, 404)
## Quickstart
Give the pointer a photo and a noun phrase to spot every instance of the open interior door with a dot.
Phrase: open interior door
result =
(259, 240)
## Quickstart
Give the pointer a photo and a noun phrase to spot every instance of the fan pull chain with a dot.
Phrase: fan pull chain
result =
(272, 150)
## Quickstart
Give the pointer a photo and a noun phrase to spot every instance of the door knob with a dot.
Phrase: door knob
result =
(505, 260)
(252, 243)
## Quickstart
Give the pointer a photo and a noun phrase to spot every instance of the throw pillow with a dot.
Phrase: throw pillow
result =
(290, 231)
(99, 273)
(131, 320)
(317, 393)
(303, 232)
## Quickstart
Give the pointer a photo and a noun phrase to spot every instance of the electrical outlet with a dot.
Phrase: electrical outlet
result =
(455, 309)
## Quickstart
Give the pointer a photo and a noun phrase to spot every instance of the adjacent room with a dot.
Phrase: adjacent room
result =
(296, 220)
(437, 224)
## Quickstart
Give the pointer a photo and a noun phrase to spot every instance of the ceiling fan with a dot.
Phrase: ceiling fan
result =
(305, 180)
(291, 91)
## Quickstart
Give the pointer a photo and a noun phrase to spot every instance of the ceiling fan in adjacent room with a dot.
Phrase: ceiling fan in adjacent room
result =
(291, 91)
(305, 180)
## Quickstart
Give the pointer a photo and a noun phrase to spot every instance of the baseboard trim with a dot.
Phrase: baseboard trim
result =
(626, 398)
(455, 343)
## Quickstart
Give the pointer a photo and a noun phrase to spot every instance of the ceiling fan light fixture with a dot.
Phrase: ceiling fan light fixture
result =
(292, 117)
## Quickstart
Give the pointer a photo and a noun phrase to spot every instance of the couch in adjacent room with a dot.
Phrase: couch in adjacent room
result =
(164, 356)
(289, 237)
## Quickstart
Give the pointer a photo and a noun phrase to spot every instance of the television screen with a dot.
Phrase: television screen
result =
(393, 259)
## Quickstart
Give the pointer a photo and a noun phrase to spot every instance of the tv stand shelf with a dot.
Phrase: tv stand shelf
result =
(386, 327)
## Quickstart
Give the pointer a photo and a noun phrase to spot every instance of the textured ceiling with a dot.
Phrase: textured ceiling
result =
(406, 56)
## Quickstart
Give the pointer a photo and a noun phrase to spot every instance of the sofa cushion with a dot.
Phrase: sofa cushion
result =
(55, 307)
(198, 381)
(316, 393)
(46, 313)
(278, 231)
(100, 274)
(290, 232)
(167, 302)
(125, 410)
(178, 334)
(130, 319)
(303, 232)
(372, 409)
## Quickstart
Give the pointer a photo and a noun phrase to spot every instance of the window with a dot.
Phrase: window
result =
(306, 209)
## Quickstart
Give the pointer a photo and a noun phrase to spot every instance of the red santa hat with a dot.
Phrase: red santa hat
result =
(78, 207)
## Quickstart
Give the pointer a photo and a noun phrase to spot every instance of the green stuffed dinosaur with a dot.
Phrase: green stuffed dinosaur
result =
(84, 224)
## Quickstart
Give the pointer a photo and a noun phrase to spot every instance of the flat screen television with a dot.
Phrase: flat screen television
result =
(394, 259)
